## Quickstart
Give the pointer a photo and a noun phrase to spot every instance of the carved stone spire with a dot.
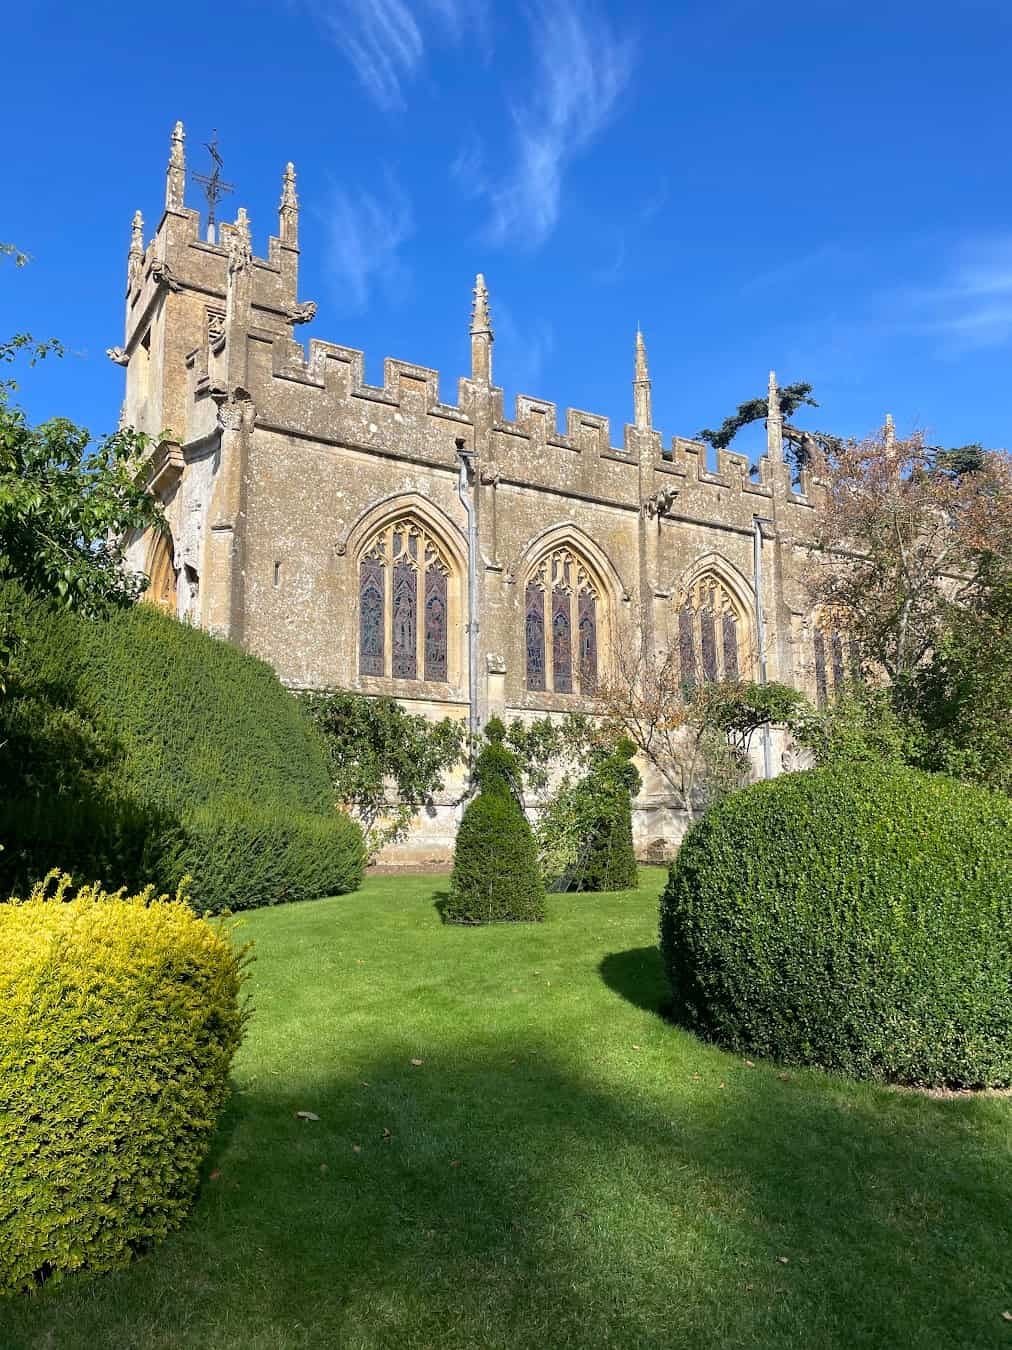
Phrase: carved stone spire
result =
(641, 387)
(774, 423)
(288, 209)
(136, 255)
(175, 178)
(890, 432)
(481, 334)
(240, 244)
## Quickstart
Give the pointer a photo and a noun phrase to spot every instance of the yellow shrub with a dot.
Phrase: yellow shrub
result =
(119, 1017)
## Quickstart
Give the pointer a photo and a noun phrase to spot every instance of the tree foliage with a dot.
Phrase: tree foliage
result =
(899, 540)
(385, 763)
(961, 697)
(585, 834)
(697, 738)
(67, 504)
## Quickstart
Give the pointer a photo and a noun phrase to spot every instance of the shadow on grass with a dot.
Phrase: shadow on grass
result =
(440, 900)
(489, 1197)
(638, 975)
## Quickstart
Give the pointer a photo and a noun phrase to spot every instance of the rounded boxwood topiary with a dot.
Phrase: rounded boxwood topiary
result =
(858, 918)
(495, 866)
(119, 1017)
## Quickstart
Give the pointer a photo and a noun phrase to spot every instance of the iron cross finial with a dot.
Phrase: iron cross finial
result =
(213, 184)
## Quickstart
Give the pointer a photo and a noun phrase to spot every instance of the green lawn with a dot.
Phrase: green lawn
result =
(562, 1169)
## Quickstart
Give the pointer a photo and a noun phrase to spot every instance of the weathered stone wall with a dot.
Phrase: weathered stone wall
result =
(278, 466)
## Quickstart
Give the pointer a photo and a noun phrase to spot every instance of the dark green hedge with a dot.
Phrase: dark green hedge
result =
(241, 855)
(135, 744)
(200, 718)
(495, 865)
(859, 918)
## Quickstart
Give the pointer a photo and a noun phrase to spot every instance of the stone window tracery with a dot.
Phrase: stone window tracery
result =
(561, 604)
(833, 655)
(403, 588)
(712, 632)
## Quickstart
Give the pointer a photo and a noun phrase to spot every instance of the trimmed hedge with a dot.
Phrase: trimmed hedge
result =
(199, 718)
(239, 855)
(140, 747)
(495, 874)
(119, 1018)
(855, 917)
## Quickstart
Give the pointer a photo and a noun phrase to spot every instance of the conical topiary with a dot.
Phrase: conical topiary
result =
(495, 875)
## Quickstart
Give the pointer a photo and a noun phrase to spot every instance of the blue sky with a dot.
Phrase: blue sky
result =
(818, 187)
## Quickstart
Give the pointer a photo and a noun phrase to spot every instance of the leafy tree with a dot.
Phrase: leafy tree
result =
(860, 725)
(962, 696)
(799, 444)
(900, 539)
(385, 763)
(21, 259)
(697, 738)
(67, 505)
(544, 745)
(495, 874)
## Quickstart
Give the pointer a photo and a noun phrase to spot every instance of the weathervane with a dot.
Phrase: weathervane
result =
(214, 187)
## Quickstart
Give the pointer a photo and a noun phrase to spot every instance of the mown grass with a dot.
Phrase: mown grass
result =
(563, 1168)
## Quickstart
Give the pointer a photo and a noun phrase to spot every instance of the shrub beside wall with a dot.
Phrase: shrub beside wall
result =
(855, 917)
(137, 747)
(495, 866)
(119, 1017)
(241, 855)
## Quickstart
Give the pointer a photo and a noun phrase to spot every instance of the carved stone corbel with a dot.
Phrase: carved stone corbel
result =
(118, 356)
(163, 275)
(661, 503)
(302, 313)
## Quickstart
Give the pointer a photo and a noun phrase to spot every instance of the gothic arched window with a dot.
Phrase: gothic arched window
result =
(403, 604)
(833, 654)
(560, 625)
(712, 632)
(162, 574)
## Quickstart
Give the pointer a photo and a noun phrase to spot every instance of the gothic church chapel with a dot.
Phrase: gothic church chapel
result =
(466, 561)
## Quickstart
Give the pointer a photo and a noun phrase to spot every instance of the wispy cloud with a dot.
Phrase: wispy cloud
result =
(366, 231)
(581, 68)
(611, 273)
(386, 40)
(825, 258)
(523, 350)
(970, 307)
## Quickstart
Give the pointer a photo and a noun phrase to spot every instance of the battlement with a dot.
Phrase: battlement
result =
(207, 319)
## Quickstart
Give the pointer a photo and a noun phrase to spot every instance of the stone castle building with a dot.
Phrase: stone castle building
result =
(466, 560)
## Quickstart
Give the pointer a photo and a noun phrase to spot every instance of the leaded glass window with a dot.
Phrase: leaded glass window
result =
(535, 634)
(729, 629)
(588, 642)
(687, 645)
(561, 603)
(370, 607)
(711, 632)
(821, 684)
(832, 656)
(708, 642)
(403, 604)
(435, 624)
